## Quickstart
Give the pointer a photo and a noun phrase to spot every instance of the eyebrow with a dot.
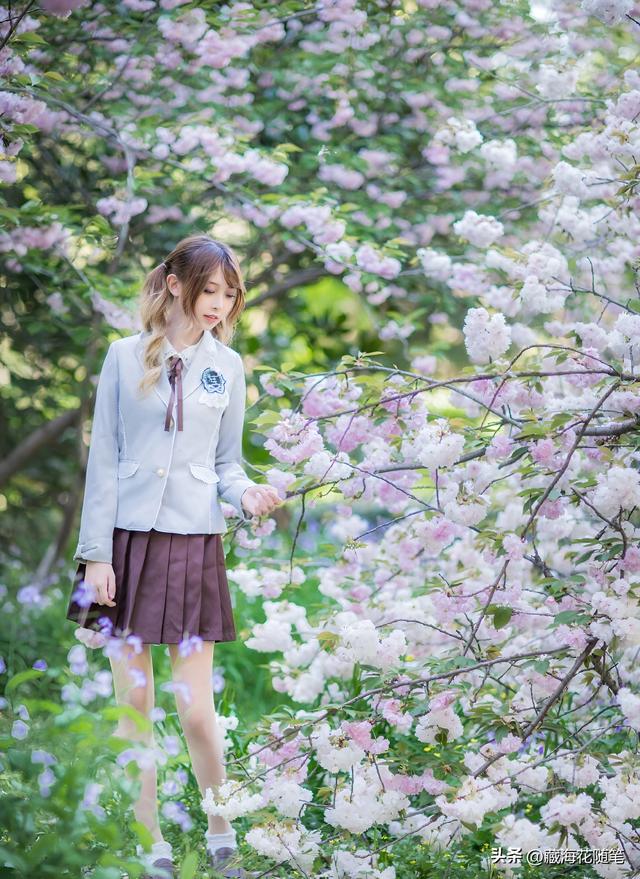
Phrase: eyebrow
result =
(215, 284)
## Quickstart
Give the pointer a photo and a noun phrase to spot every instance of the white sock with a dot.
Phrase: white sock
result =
(220, 840)
(159, 850)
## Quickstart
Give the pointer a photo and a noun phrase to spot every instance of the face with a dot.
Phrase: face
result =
(214, 304)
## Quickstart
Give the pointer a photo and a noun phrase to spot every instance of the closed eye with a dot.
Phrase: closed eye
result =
(230, 295)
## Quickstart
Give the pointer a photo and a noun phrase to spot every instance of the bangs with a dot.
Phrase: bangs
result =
(203, 262)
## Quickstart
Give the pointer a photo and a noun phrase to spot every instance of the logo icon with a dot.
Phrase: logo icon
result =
(212, 381)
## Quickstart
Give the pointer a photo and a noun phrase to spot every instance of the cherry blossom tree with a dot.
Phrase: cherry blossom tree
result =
(462, 482)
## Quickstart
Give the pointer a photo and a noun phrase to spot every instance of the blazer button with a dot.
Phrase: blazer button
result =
(160, 471)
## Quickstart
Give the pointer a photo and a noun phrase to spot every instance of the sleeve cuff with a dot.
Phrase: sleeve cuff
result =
(233, 496)
(95, 551)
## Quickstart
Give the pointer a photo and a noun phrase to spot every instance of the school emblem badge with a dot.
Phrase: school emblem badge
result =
(215, 393)
(213, 382)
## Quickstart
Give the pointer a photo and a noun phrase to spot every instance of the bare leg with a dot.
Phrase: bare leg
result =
(129, 691)
(199, 721)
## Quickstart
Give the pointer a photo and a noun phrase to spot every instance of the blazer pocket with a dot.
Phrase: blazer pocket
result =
(204, 472)
(127, 467)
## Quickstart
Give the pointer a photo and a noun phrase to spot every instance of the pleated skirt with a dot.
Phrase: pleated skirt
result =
(168, 588)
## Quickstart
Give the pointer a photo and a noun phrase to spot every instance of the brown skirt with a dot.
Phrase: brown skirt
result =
(168, 587)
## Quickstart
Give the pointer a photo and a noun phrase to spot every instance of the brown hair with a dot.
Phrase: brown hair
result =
(192, 261)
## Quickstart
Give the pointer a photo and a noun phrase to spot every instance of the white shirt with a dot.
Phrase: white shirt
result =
(187, 354)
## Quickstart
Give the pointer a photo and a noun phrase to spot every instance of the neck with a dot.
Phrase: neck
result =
(179, 331)
(181, 338)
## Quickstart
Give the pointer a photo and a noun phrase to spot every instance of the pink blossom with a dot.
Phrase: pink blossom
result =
(515, 546)
(630, 562)
(62, 8)
(293, 439)
(266, 380)
(544, 452)
(443, 700)
(349, 431)
(500, 447)
(552, 509)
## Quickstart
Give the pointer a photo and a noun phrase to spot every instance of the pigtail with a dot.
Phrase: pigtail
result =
(155, 301)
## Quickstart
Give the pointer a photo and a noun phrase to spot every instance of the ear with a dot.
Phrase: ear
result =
(173, 284)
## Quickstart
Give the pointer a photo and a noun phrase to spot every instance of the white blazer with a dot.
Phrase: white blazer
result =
(141, 476)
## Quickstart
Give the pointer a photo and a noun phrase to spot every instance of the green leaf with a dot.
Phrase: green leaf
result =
(189, 866)
(462, 661)
(328, 640)
(266, 419)
(501, 616)
(289, 148)
(27, 675)
(571, 616)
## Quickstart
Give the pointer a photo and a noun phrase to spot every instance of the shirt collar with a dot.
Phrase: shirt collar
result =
(187, 354)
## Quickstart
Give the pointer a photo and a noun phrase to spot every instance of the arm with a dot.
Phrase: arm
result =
(100, 502)
(233, 479)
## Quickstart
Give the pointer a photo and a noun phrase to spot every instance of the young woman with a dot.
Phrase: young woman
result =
(166, 446)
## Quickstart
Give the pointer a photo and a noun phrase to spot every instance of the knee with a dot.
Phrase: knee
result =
(132, 727)
(199, 723)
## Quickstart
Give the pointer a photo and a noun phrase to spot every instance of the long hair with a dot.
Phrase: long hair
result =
(192, 261)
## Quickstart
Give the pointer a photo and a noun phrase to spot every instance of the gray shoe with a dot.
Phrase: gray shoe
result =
(222, 862)
(163, 868)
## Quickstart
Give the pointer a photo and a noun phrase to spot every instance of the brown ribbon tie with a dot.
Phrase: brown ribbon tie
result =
(175, 379)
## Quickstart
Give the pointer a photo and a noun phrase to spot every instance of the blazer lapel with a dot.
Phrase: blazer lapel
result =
(205, 355)
(162, 387)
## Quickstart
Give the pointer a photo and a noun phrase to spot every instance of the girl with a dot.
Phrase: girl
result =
(166, 445)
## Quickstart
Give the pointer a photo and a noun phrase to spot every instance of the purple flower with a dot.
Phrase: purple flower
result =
(172, 745)
(40, 664)
(40, 756)
(19, 730)
(217, 679)
(77, 657)
(177, 812)
(45, 780)
(138, 677)
(84, 594)
(136, 642)
(188, 645)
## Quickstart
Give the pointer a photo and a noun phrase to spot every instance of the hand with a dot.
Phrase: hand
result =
(101, 576)
(258, 500)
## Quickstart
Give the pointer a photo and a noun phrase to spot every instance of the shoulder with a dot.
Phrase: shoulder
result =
(228, 355)
(128, 349)
(126, 342)
(123, 345)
